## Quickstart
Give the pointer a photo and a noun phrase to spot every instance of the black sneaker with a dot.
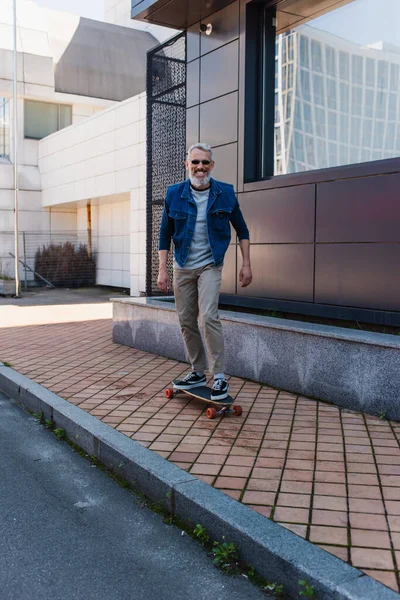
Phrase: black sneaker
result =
(192, 380)
(219, 390)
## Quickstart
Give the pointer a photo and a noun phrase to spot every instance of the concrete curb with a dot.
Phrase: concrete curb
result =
(276, 553)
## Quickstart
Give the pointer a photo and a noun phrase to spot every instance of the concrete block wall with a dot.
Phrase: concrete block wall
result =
(110, 238)
(103, 161)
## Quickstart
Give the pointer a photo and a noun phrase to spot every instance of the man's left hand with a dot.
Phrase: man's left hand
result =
(245, 276)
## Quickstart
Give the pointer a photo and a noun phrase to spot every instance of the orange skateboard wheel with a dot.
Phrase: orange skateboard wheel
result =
(237, 411)
(211, 413)
(169, 393)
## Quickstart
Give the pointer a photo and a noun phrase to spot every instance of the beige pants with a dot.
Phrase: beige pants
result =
(196, 296)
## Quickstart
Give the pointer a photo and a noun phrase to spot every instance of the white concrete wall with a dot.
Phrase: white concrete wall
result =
(97, 157)
(102, 161)
(110, 235)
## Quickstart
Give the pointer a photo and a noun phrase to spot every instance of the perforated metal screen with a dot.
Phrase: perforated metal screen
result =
(166, 139)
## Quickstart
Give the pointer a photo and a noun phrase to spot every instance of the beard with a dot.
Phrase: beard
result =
(197, 182)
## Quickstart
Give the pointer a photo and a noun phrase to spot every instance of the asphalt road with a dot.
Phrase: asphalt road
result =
(69, 531)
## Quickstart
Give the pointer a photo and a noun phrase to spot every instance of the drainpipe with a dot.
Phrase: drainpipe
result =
(89, 227)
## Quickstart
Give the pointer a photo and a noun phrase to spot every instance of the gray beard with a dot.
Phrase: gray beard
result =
(194, 180)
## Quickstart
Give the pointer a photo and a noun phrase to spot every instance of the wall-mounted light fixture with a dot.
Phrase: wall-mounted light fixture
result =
(207, 29)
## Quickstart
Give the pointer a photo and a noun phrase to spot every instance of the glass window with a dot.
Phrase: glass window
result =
(330, 61)
(304, 53)
(318, 90)
(370, 72)
(320, 122)
(307, 117)
(356, 100)
(316, 56)
(394, 77)
(332, 125)
(344, 61)
(331, 92)
(369, 103)
(43, 118)
(305, 84)
(367, 133)
(344, 97)
(339, 78)
(4, 127)
(356, 69)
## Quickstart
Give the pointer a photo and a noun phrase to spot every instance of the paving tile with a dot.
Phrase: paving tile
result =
(329, 517)
(322, 488)
(370, 558)
(368, 521)
(370, 539)
(366, 506)
(296, 487)
(256, 497)
(338, 503)
(263, 485)
(329, 477)
(300, 530)
(394, 523)
(231, 483)
(204, 469)
(291, 515)
(296, 500)
(329, 535)
(365, 491)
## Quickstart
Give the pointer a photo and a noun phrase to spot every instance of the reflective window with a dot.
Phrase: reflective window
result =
(43, 118)
(343, 73)
(4, 127)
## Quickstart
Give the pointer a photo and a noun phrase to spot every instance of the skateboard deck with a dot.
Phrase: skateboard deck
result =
(203, 393)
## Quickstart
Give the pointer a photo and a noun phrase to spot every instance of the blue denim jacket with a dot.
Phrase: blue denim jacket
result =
(179, 219)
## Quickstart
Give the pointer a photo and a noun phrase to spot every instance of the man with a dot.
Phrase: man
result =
(197, 216)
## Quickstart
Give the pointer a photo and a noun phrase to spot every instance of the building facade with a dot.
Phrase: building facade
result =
(77, 137)
(300, 102)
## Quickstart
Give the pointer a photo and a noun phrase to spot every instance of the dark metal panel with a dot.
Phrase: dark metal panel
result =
(193, 83)
(228, 285)
(218, 120)
(216, 77)
(225, 24)
(192, 126)
(281, 271)
(226, 164)
(361, 275)
(193, 42)
(360, 210)
(280, 216)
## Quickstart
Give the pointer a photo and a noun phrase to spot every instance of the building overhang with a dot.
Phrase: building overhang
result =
(178, 14)
(182, 14)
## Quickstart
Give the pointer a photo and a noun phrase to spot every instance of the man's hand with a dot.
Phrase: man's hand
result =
(163, 280)
(245, 276)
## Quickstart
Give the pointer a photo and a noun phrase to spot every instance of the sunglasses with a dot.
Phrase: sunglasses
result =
(203, 162)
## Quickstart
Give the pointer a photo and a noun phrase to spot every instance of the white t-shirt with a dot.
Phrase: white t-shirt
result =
(200, 252)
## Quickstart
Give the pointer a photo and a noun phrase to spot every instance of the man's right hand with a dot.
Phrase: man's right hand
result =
(163, 280)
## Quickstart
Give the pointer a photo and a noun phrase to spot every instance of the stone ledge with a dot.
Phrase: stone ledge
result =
(357, 370)
(278, 554)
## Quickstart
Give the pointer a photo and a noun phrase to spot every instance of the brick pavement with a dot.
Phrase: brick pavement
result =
(331, 476)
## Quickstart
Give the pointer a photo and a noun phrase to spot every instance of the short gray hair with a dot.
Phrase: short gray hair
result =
(201, 146)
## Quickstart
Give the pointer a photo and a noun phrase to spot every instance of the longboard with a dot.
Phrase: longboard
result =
(203, 393)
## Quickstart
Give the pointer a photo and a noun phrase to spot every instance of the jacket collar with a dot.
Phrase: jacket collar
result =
(214, 191)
